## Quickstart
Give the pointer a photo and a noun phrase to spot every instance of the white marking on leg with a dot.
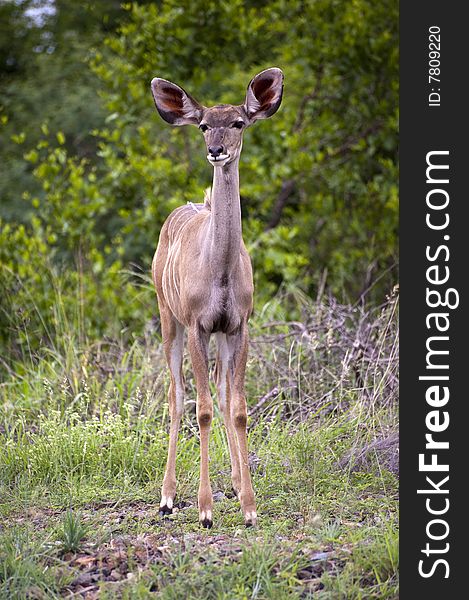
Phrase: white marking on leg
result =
(166, 501)
(206, 514)
(251, 517)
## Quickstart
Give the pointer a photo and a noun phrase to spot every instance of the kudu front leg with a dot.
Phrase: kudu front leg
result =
(239, 351)
(198, 349)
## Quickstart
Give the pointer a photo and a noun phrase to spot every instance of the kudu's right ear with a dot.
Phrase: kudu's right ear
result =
(175, 105)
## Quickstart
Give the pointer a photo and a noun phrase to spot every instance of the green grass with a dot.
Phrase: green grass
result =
(73, 531)
(83, 448)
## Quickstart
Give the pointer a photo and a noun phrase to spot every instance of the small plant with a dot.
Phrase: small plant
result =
(73, 531)
(331, 531)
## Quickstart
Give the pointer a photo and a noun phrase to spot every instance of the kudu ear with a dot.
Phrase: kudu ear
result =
(264, 94)
(175, 105)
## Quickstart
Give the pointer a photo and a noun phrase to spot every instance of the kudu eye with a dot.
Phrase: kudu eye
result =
(237, 124)
(203, 127)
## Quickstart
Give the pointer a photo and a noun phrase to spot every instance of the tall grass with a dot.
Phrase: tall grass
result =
(84, 422)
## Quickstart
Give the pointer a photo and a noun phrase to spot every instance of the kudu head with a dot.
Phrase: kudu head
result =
(223, 125)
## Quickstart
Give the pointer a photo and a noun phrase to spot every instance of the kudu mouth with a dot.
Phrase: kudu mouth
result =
(217, 151)
(218, 160)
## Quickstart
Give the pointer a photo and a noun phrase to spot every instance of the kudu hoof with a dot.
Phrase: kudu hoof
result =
(205, 519)
(207, 523)
(165, 511)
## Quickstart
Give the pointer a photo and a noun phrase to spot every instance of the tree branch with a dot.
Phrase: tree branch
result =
(311, 96)
(287, 189)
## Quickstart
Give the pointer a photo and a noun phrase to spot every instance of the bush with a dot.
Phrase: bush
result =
(46, 304)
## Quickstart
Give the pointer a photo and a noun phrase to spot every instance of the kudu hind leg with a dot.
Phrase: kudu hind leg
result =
(239, 351)
(224, 382)
(173, 341)
(198, 349)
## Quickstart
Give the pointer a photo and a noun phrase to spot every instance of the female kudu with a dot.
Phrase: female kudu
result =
(203, 278)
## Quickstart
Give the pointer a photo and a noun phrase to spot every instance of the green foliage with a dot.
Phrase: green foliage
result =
(44, 78)
(321, 176)
(46, 305)
(318, 181)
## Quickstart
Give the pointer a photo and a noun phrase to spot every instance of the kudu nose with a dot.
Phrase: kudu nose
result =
(215, 150)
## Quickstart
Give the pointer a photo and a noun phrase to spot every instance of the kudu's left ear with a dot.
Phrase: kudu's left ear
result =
(264, 94)
(174, 104)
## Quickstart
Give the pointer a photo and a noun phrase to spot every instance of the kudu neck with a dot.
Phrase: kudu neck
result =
(225, 220)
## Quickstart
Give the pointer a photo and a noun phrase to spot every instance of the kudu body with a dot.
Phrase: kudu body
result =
(203, 278)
